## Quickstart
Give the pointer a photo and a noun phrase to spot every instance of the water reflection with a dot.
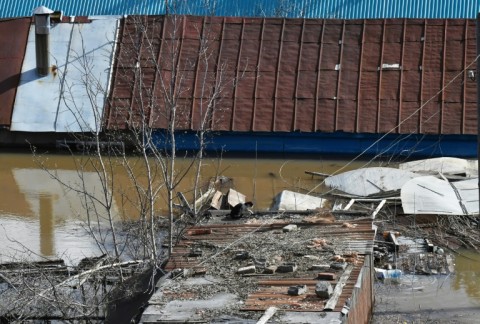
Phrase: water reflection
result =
(40, 215)
(46, 226)
(467, 270)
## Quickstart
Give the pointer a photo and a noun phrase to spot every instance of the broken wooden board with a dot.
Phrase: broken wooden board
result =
(370, 181)
(430, 195)
(235, 197)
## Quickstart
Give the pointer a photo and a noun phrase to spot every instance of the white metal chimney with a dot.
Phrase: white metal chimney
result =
(42, 31)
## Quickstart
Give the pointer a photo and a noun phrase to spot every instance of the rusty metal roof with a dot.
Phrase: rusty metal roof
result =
(13, 40)
(271, 289)
(309, 75)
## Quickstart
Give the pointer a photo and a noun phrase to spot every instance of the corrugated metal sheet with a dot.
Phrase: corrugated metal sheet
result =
(340, 9)
(353, 76)
(271, 289)
(72, 96)
(13, 40)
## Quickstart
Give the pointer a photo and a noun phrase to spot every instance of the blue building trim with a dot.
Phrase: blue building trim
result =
(341, 144)
(338, 9)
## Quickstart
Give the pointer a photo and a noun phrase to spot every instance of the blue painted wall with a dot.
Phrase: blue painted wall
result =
(338, 144)
(343, 9)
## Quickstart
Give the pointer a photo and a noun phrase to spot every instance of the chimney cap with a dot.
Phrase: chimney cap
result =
(42, 10)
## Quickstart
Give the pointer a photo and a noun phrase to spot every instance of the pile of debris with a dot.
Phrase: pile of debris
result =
(243, 269)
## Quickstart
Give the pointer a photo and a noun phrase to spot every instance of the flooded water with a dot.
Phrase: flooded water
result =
(41, 218)
(453, 298)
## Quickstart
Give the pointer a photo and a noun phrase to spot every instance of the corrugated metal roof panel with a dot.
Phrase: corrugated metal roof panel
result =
(356, 76)
(271, 290)
(71, 97)
(343, 9)
(13, 41)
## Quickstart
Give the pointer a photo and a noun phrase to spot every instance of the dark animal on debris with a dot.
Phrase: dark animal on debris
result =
(241, 210)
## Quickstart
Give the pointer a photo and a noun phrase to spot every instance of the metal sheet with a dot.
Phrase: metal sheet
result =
(13, 40)
(354, 76)
(430, 195)
(71, 97)
(271, 289)
(351, 9)
(370, 181)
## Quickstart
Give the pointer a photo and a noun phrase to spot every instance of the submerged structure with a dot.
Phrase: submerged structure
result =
(280, 269)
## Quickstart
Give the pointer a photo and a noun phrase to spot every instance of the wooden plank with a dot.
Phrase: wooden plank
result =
(392, 238)
(350, 204)
(332, 302)
(379, 207)
(186, 206)
(268, 314)
(320, 174)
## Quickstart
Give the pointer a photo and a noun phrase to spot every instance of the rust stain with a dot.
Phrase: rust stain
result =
(388, 69)
(54, 70)
(13, 41)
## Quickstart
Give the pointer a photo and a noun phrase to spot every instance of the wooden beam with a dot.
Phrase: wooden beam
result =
(332, 302)
(267, 315)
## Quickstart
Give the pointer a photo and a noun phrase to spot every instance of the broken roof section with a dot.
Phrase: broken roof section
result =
(430, 195)
(307, 75)
(72, 96)
(237, 271)
(370, 181)
(447, 166)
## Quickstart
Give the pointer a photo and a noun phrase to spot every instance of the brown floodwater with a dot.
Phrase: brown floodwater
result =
(41, 218)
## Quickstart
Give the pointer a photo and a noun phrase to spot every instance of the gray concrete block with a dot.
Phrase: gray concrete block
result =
(297, 290)
(323, 289)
